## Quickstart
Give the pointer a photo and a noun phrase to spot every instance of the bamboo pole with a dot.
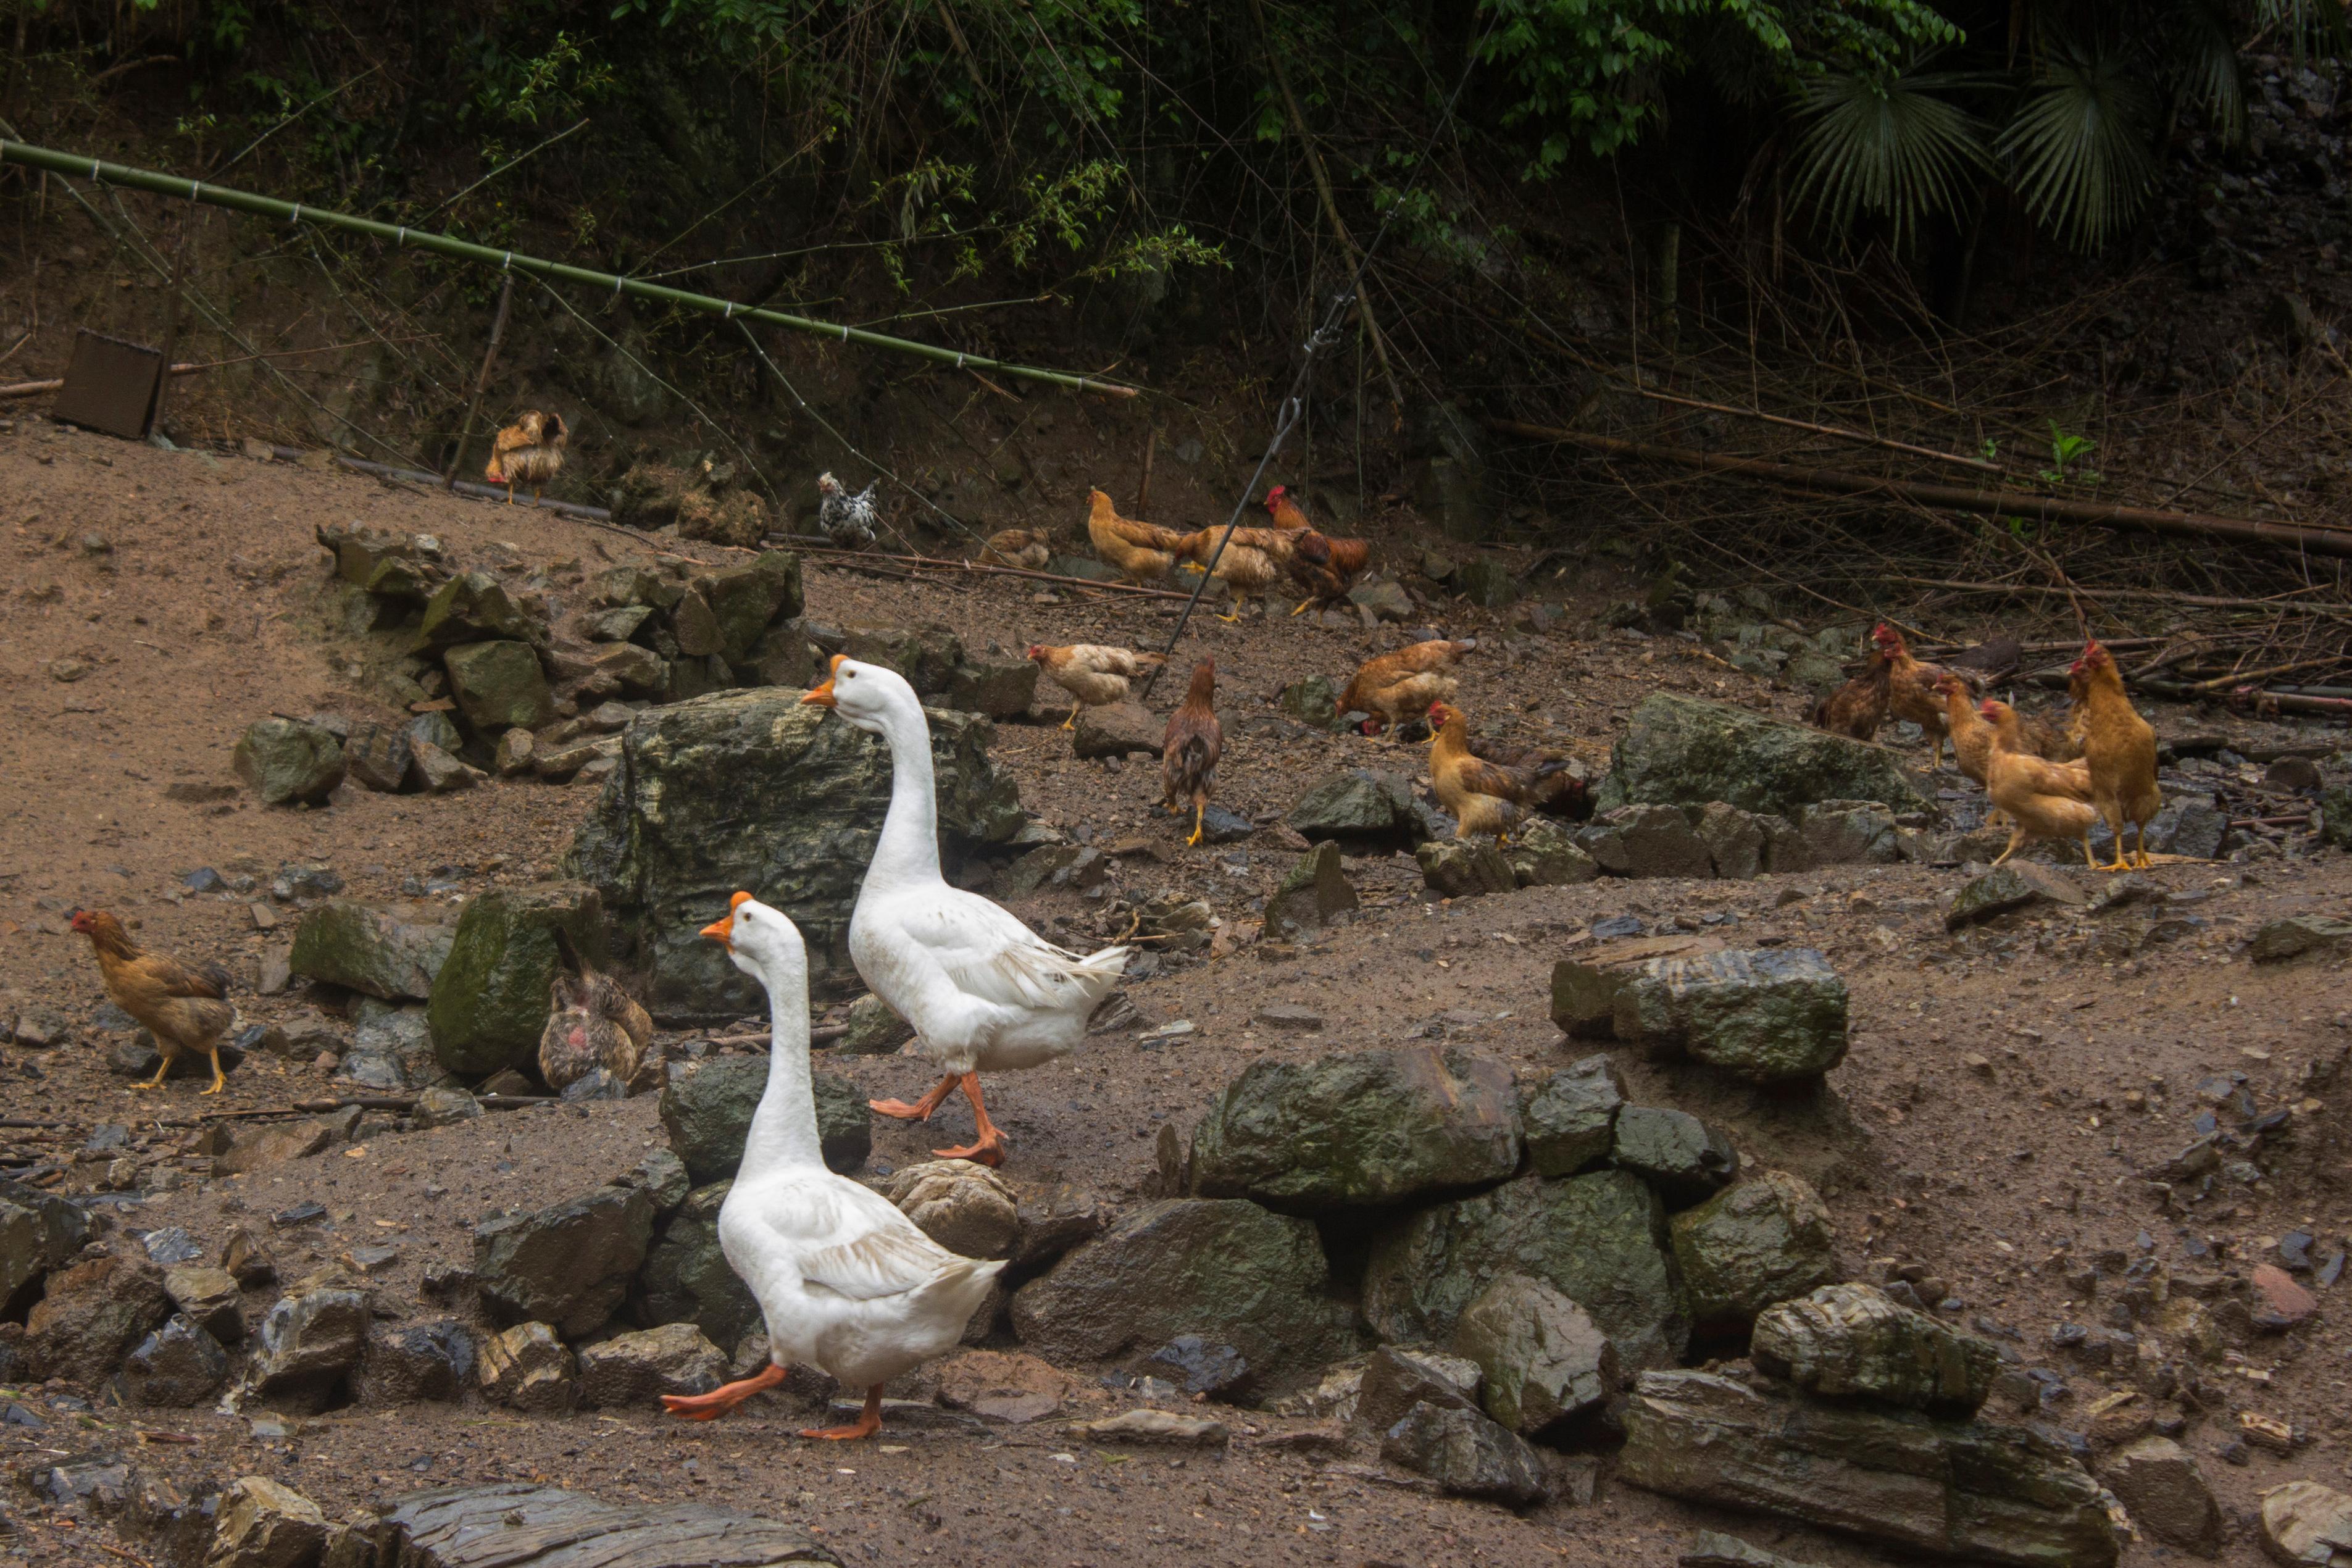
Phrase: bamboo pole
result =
(1951, 497)
(482, 384)
(70, 163)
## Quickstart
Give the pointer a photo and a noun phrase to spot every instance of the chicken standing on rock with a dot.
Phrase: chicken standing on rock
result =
(528, 452)
(1143, 552)
(1094, 674)
(2036, 794)
(1911, 690)
(185, 1009)
(1188, 752)
(591, 1024)
(2119, 747)
(1488, 796)
(1401, 685)
(1028, 548)
(846, 520)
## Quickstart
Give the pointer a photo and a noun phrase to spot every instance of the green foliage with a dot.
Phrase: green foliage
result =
(2067, 453)
(1886, 148)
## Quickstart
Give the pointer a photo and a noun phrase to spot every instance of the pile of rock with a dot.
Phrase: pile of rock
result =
(1771, 1016)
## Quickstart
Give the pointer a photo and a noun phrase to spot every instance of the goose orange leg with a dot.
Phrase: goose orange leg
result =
(711, 1407)
(987, 1144)
(921, 1109)
(869, 1421)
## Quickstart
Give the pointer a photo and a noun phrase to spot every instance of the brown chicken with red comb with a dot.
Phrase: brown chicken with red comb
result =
(1193, 743)
(185, 1009)
(1325, 567)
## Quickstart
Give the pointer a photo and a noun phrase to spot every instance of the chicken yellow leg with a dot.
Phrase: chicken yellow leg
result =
(1072, 722)
(220, 1079)
(1198, 810)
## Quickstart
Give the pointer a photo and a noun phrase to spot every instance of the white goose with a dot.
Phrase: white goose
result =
(847, 1282)
(983, 991)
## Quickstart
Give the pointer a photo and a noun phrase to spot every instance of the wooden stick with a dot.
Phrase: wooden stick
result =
(1949, 498)
(171, 315)
(809, 545)
(2239, 678)
(481, 381)
(1143, 490)
(1839, 431)
(2204, 601)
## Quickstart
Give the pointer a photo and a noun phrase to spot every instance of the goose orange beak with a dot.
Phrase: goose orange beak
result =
(823, 696)
(722, 930)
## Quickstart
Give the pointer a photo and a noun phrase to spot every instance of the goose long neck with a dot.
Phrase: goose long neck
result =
(909, 849)
(783, 1125)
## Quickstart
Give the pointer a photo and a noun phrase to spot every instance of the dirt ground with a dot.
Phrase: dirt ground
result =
(2007, 1091)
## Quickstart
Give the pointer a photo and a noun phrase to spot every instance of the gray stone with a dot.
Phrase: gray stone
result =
(1965, 1489)
(1849, 832)
(38, 1234)
(2019, 884)
(2159, 1482)
(490, 999)
(177, 1365)
(749, 789)
(435, 729)
(1683, 1158)
(516, 749)
(568, 1264)
(471, 608)
(287, 762)
(455, 1527)
(409, 1362)
(262, 1524)
(1118, 730)
(438, 771)
(686, 1278)
(1851, 1340)
(1544, 1364)
(1545, 854)
(707, 1112)
(526, 1368)
(1395, 1378)
(1646, 841)
(1734, 838)
(388, 953)
(745, 601)
(1763, 1240)
(1385, 599)
(1465, 868)
(965, 1207)
(1684, 750)
(307, 1345)
(1570, 1118)
(617, 625)
(498, 686)
(444, 1108)
(1313, 892)
(378, 757)
(661, 1176)
(1357, 1129)
(1161, 1427)
(1315, 703)
(1055, 1219)
(1227, 1270)
(2307, 1523)
(785, 657)
(89, 1316)
(926, 654)
(1467, 1453)
(995, 688)
(2278, 941)
(210, 1298)
(2335, 825)
(1361, 806)
(873, 1029)
(1713, 1548)
(1598, 1239)
(1486, 582)
(637, 1369)
(1196, 1366)
(1767, 1014)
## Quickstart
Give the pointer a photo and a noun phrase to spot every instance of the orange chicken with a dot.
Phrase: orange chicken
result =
(1858, 708)
(1487, 796)
(1142, 552)
(1193, 743)
(528, 452)
(1027, 548)
(2119, 747)
(1398, 686)
(1251, 561)
(1325, 567)
(2035, 792)
(1094, 674)
(186, 1009)
(1911, 690)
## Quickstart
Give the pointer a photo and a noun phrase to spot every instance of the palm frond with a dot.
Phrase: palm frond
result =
(2081, 146)
(2206, 51)
(1886, 147)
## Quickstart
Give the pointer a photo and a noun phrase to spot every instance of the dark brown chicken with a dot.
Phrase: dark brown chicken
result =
(1324, 566)
(1911, 690)
(592, 1023)
(528, 452)
(1858, 708)
(1189, 751)
(185, 1009)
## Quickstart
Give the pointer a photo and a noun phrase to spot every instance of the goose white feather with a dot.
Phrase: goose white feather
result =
(983, 991)
(847, 1282)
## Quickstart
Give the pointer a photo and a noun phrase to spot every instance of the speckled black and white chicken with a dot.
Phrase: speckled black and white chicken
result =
(847, 520)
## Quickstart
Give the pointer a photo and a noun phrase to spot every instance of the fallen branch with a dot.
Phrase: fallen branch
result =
(1951, 497)
(34, 388)
(2162, 595)
(809, 544)
(467, 488)
(1838, 432)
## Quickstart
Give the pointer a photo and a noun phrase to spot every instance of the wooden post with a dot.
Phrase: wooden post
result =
(172, 320)
(481, 383)
(1143, 490)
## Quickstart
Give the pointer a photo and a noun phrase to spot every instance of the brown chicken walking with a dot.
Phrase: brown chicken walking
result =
(185, 1009)
(1190, 750)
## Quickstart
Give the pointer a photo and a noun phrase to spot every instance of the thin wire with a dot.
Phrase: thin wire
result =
(1293, 407)
(802, 404)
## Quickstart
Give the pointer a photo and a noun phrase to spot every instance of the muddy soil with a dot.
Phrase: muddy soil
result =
(2007, 1091)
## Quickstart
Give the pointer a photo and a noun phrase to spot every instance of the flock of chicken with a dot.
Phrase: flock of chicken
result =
(2048, 783)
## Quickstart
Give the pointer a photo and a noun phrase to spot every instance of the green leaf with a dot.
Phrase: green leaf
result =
(1887, 148)
(2081, 145)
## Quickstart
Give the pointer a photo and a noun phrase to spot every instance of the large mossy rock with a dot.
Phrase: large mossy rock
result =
(1543, 1362)
(1600, 1240)
(1314, 892)
(1684, 750)
(388, 952)
(746, 600)
(37, 1233)
(568, 1264)
(750, 790)
(1764, 1240)
(498, 686)
(1227, 1270)
(471, 607)
(706, 1111)
(492, 997)
(1363, 805)
(287, 762)
(686, 1278)
(1965, 1489)
(1359, 1129)
(1856, 1342)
